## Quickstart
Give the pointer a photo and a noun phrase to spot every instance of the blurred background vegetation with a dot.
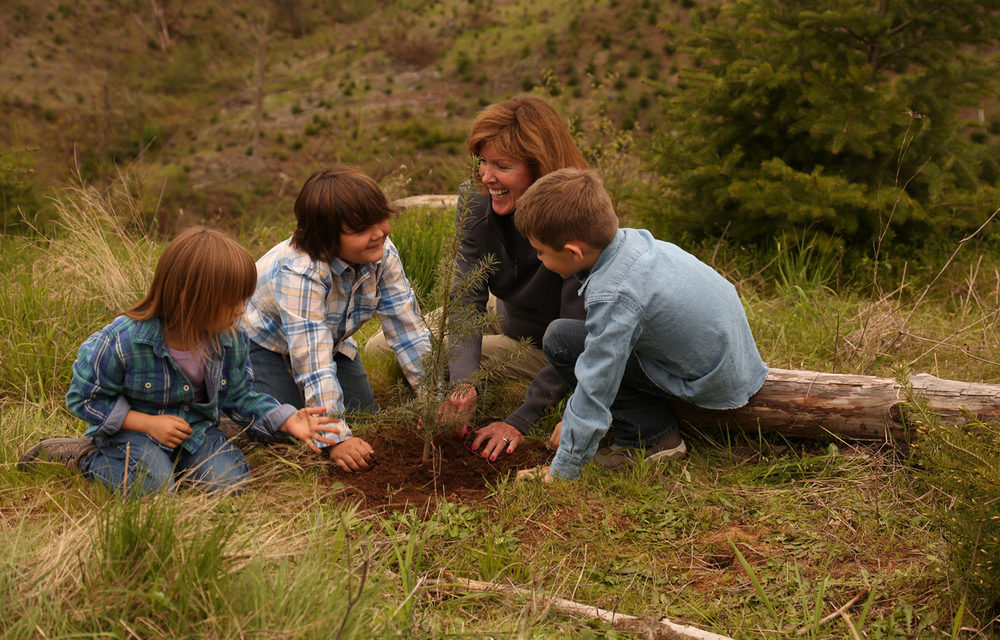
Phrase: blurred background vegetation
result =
(865, 128)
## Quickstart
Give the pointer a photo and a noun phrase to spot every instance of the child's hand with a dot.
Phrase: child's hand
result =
(353, 454)
(535, 473)
(309, 425)
(168, 430)
(553, 442)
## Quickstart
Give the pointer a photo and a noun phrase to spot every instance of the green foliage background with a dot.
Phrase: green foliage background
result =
(851, 121)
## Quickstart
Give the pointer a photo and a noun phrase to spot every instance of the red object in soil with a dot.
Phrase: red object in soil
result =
(399, 478)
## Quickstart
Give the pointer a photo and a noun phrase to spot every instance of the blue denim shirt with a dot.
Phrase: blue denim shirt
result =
(685, 323)
(126, 366)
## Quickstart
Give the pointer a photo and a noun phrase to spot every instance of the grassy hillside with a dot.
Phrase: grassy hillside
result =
(390, 87)
(752, 535)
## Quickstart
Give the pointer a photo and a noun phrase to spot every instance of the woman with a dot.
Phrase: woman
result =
(517, 141)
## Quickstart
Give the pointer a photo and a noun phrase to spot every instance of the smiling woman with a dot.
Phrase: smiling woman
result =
(517, 142)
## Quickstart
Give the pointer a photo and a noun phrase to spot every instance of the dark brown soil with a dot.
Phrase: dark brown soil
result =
(399, 478)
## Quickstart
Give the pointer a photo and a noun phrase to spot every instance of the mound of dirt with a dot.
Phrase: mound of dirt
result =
(399, 479)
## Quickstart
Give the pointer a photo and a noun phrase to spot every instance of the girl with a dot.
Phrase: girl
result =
(317, 288)
(152, 383)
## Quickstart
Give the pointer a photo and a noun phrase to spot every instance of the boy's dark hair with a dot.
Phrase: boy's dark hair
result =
(335, 200)
(567, 205)
(526, 129)
(201, 273)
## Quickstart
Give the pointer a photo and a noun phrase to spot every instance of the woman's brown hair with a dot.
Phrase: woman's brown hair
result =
(200, 274)
(335, 200)
(527, 129)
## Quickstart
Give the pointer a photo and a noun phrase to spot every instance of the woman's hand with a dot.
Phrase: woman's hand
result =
(457, 411)
(309, 425)
(499, 437)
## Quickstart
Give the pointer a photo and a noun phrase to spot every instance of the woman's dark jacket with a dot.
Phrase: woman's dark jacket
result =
(530, 297)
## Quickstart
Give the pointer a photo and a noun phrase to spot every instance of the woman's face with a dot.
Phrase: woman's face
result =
(506, 178)
(365, 246)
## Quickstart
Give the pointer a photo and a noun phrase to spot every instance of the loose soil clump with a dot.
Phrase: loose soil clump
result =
(458, 474)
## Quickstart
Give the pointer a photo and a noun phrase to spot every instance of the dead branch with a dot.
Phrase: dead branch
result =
(643, 626)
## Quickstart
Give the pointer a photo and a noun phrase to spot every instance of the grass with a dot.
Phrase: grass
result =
(749, 536)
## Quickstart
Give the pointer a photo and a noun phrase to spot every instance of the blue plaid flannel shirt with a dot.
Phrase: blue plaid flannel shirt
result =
(126, 366)
(309, 309)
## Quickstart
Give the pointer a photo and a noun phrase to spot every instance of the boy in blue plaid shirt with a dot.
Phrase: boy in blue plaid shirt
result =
(316, 289)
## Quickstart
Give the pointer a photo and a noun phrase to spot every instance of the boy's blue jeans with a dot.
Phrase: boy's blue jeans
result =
(132, 463)
(641, 414)
(272, 374)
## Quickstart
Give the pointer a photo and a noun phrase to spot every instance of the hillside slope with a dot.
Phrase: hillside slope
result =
(170, 88)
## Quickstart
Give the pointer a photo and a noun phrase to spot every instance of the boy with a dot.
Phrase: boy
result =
(661, 326)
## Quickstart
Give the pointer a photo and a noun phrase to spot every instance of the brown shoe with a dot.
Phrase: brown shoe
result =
(66, 451)
(670, 448)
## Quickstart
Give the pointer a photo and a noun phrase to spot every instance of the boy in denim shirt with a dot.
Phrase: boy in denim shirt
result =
(661, 326)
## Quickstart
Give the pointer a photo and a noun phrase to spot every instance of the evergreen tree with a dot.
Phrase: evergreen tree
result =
(450, 322)
(842, 118)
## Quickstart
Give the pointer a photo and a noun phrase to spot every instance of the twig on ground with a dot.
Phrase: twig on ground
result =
(850, 625)
(850, 603)
(643, 626)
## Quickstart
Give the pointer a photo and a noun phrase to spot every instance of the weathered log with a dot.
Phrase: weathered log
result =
(431, 201)
(812, 404)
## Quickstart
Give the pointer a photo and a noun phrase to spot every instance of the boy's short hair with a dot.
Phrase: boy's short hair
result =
(567, 205)
(201, 272)
(527, 129)
(335, 200)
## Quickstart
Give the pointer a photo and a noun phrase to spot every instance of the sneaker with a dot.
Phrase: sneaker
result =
(671, 448)
(66, 451)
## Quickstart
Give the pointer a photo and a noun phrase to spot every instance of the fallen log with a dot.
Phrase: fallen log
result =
(811, 404)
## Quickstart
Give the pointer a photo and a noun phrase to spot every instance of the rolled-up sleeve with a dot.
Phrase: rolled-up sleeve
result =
(96, 393)
(301, 297)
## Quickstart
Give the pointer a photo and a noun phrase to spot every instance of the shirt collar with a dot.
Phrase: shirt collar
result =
(607, 254)
(338, 267)
(151, 332)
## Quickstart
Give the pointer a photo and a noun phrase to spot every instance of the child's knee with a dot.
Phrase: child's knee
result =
(564, 338)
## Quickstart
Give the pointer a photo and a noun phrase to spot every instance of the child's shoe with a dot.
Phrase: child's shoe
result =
(670, 448)
(67, 451)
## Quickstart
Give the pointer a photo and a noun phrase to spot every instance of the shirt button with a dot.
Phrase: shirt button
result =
(223, 383)
(187, 408)
(187, 388)
(149, 385)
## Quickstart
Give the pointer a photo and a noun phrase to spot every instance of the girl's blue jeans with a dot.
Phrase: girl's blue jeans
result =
(272, 374)
(134, 464)
(642, 414)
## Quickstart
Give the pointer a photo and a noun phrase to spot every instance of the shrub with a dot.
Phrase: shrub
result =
(961, 465)
(786, 120)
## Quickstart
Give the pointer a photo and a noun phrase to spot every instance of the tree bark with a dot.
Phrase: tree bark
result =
(812, 404)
